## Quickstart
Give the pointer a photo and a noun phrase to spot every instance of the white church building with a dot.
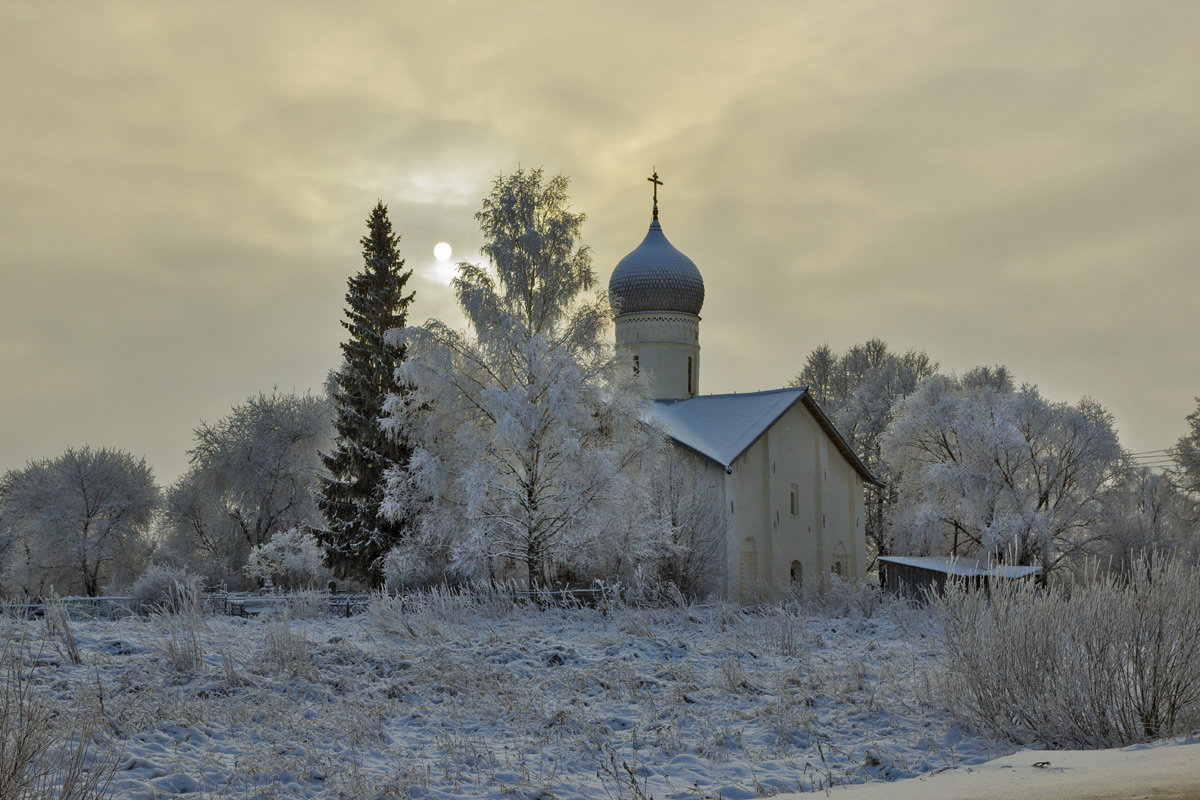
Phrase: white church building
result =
(790, 486)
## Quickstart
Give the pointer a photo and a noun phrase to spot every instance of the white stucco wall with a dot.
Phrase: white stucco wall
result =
(766, 538)
(663, 342)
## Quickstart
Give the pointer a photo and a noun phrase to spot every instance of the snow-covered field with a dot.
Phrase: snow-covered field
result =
(444, 696)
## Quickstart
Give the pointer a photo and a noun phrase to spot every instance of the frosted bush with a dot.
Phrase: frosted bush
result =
(180, 643)
(853, 597)
(843, 597)
(167, 588)
(1114, 663)
(408, 567)
(59, 631)
(291, 559)
(287, 650)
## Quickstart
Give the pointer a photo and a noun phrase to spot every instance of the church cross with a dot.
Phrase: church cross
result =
(657, 183)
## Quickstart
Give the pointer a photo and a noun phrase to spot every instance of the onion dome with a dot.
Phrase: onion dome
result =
(656, 277)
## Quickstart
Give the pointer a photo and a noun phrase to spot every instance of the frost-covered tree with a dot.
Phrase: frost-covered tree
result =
(358, 534)
(1146, 518)
(78, 522)
(292, 559)
(686, 496)
(253, 474)
(1187, 463)
(525, 436)
(858, 390)
(1001, 473)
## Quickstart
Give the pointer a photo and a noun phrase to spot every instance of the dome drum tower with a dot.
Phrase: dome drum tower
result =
(657, 293)
(666, 346)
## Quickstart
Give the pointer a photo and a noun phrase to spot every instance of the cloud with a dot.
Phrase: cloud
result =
(187, 185)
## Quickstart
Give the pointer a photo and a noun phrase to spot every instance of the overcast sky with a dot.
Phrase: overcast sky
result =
(184, 186)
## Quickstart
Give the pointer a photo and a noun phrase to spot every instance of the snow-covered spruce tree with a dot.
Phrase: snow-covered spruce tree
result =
(525, 435)
(358, 534)
(858, 389)
(76, 522)
(997, 472)
(254, 473)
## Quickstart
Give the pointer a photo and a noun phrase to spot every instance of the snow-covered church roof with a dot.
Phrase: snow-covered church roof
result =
(721, 427)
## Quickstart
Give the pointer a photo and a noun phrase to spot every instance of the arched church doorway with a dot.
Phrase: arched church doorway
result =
(840, 560)
(797, 574)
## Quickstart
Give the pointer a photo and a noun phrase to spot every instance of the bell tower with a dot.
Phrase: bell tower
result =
(656, 292)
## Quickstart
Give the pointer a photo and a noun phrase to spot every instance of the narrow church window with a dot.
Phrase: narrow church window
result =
(689, 374)
(730, 506)
(795, 500)
(637, 366)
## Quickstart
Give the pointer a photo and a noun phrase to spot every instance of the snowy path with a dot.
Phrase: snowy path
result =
(1163, 772)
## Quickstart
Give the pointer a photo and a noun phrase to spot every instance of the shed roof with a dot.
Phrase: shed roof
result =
(721, 427)
(962, 567)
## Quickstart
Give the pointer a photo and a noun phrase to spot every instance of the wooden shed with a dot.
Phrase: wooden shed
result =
(914, 576)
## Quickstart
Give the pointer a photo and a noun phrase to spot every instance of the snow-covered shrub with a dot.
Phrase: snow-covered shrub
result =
(292, 559)
(306, 604)
(854, 597)
(405, 568)
(58, 630)
(286, 650)
(843, 597)
(179, 635)
(425, 614)
(166, 587)
(1114, 663)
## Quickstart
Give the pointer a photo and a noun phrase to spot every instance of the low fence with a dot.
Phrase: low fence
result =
(244, 604)
(247, 604)
(94, 607)
(560, 597)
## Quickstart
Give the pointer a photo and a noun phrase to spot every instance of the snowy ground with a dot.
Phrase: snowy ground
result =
(453, 698)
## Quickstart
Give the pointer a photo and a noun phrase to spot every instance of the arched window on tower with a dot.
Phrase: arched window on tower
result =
(690, 375)
(637, 366)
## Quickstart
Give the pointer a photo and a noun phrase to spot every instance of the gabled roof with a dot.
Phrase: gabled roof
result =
(962, 567)
(721, 427)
